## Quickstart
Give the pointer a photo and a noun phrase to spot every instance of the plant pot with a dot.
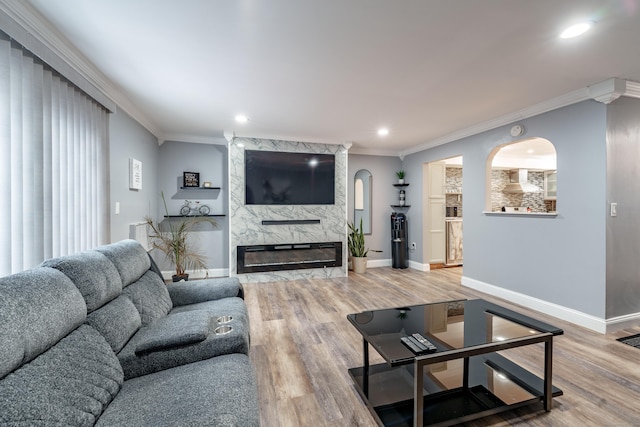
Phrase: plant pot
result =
(401, 181)
(179, 277)
(359, 264)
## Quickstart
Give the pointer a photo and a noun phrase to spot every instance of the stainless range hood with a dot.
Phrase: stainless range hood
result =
(518, 182)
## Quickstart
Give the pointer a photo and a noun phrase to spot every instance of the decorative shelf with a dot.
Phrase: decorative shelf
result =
(200, 188)
(400, 206)
(401, 185)
(190, 216)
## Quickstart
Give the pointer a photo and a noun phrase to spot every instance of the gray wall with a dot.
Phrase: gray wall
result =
(623, 188)
(560, 259)
(384, 194)
(210, 160)
(128, 139)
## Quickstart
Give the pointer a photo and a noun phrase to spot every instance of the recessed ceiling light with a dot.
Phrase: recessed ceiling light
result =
(383, 131)
(240, 118)
(576, 30)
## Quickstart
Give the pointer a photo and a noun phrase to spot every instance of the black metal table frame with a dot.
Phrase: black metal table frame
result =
(464, 353)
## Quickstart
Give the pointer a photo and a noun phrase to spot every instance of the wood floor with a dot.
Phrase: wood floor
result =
(302, 346)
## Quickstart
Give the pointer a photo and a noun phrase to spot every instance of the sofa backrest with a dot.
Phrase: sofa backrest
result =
(38, 308)
(130, 259)
(140, 281)
(94, 275)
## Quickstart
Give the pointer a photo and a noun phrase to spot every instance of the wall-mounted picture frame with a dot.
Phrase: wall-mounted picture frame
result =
(135, 174)
(190, 179)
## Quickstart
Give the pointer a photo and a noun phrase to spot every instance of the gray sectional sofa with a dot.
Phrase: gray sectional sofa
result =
(97, 338)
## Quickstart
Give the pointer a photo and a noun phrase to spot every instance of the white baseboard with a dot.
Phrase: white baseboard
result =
(623, 322)
(389, 262)
(419, 266)
(373, 263)
(570, 315)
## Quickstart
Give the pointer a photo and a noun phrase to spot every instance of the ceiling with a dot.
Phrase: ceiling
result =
(335, 71)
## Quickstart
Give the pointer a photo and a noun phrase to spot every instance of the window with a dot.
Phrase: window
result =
(53, 166)
(522, 177)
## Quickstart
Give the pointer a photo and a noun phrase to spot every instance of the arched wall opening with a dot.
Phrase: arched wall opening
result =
(521, 177)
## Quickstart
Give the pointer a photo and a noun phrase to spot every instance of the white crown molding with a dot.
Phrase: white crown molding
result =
(608, 91)
(43, 32)
(211, 140)
(633, 89)
(290, 138)
(540, 108)
(373, 152)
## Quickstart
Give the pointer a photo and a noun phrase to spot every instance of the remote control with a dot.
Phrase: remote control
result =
(424, 341)
(411, 344)
(417, 346)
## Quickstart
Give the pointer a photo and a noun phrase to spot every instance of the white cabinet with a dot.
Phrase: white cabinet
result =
(454, 242)
(550, 185)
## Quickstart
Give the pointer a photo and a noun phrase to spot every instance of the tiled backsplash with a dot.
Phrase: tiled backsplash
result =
(453, 183)
(500, 179)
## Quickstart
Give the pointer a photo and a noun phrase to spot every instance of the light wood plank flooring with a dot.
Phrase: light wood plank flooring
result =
(302, 346)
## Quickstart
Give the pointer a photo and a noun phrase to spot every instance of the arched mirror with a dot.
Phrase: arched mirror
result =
(362, 200)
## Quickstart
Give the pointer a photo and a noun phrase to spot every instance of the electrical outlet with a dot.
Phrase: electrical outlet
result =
(413, 246)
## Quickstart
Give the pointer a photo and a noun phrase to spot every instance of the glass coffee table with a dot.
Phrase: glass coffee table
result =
(460, 373)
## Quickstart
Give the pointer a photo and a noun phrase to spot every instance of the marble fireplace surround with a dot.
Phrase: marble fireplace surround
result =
(273, 225)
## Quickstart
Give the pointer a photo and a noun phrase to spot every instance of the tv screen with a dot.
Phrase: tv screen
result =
(282, 178)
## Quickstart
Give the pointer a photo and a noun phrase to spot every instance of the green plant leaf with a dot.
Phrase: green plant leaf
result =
(172, 241)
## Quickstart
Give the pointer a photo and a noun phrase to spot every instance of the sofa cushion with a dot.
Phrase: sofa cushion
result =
(213, 392)
(234, 307)
(70, 384)
(93, 274)
(174, 331)
(38, 308)
(183, 293)
(129, 257)
(136, 363)
(117, 321)
(150, 296)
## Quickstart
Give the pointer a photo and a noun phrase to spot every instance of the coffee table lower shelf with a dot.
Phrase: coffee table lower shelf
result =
(390, 396)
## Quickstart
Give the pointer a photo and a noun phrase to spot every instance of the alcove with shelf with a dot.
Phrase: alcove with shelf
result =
(202, 194)
(401, 196)
(200, 188)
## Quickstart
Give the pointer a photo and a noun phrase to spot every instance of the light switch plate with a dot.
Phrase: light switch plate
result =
(614, 209)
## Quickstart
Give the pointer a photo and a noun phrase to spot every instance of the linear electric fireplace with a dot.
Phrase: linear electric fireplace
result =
(289, 256)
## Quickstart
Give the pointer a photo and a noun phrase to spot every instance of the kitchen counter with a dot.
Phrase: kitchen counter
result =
(526, 214)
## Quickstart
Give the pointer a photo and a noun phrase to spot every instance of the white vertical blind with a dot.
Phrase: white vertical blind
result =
(53, 163)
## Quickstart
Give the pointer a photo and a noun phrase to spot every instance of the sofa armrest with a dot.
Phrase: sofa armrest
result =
(195, 291)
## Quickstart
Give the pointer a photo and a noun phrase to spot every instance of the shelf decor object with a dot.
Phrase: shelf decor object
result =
(191, 179)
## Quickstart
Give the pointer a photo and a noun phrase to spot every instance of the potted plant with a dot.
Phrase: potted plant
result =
(357, 249)
(172, 240)
(400, 175)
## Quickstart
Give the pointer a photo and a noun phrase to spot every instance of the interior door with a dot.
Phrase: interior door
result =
(434, 209)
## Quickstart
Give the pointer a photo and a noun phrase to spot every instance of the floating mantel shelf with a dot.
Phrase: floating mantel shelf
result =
(191, 216)
(200, 188)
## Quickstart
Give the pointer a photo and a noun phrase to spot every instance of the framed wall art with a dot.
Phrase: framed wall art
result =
(191, 179)
(135, 174)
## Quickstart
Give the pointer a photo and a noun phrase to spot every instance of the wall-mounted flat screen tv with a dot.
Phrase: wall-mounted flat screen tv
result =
(283, 178)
